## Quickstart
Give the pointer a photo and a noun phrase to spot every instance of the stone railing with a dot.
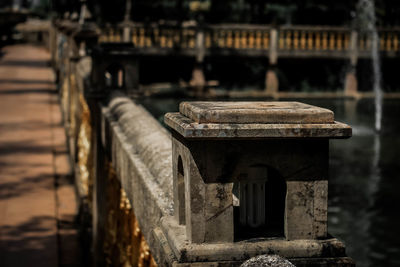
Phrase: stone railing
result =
(141, 181)
(239, 37)
(388, 40)
(227, 182)
(254, 37)
(162, 36)
(35, 31)
(314, 38)
(106, 207)
(118, 51)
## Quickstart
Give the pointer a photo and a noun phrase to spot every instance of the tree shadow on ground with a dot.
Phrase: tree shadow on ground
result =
(25, 185)
(25, 81)
(25, 63)
(37, 242)
(27, 91)
(23, 147)
(26, 125)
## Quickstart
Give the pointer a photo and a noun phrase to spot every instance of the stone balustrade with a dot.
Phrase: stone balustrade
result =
(228, 181)
(119, 50)
(253, 37)
(309, 39)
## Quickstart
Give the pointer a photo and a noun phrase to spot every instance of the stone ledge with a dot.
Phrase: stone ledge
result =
(309, 262)
(184, 251)
(323, 262)
(190, 129)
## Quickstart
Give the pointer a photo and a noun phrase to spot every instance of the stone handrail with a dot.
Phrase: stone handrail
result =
(141, 156)
(144, 145)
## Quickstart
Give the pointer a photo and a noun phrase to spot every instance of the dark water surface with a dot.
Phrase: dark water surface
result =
(364, 185)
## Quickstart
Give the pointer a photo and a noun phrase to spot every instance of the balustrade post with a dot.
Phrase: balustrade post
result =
(95, 93)
(114, 70)
(71, 56)
(86, 39)
(99, 202)
(351, 83)
(273, 48)
(126, 33)
(251, 171)
(198, 79)
(109, 72)
(53, 36)
(126, 24)
(81, 38)
(271, 79)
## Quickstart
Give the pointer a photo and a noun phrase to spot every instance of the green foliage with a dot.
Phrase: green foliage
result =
(42, 9)
(303, 12)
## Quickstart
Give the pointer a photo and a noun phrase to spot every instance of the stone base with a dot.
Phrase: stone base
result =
(351, 85)
(175, 250)
(271, 82)
(198, 78)
(307, 262)
(325, 262)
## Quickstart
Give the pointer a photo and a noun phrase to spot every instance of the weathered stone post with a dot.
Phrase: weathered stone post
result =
(271, 79)
(96, 93)
(53, 35)
(86, 37)
(116, 67)
(68, 64)
(80, 40)
(252, 171)
(198, 79)
(127, 23)
(351, 84)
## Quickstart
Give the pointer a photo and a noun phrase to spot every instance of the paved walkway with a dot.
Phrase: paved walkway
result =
(37, 202)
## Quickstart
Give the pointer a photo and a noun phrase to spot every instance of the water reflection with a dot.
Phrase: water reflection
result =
(364, 184)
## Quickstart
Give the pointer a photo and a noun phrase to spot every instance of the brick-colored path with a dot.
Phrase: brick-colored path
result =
(35, 193)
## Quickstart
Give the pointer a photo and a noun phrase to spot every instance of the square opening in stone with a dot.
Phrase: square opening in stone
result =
(259, 210)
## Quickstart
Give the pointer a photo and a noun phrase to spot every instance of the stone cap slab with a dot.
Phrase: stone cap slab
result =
(255, 112)
(248, 120)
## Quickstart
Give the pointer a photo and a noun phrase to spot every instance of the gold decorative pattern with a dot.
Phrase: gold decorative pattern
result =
(72, 105)
(307, 39)
(124, 244)
(85, 163)
(64, 96)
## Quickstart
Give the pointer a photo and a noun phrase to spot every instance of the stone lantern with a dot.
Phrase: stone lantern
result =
(251, 178)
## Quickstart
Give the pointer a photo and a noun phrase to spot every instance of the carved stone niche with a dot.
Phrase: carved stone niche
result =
(251, 178)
